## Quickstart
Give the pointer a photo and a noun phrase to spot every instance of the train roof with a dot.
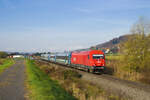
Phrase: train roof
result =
(88, 51)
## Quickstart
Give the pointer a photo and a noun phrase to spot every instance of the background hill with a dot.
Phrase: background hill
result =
(112, 46)
(113, 42)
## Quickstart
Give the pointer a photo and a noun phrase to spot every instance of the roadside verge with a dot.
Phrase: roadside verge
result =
(41, 87)
(5, 63)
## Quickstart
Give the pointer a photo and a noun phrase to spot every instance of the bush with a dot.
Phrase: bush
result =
(3, 54)
(69, 74)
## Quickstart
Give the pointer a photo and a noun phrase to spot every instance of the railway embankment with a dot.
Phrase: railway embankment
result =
(121, 88)
(72, 81)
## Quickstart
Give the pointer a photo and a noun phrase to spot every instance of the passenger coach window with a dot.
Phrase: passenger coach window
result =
(98, 56)
(88, 57)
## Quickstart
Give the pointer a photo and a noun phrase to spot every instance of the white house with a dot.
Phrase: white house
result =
(18, 56)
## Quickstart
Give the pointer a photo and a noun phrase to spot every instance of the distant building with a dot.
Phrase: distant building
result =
(107, 51)
(18, 56)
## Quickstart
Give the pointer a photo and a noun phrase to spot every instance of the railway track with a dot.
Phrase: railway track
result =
(123, 88)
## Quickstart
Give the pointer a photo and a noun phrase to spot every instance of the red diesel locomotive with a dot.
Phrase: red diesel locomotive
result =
(91, 60)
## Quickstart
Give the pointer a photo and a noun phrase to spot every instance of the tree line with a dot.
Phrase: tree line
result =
(3, 54)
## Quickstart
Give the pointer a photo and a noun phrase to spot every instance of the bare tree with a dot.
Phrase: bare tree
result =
(137, 48)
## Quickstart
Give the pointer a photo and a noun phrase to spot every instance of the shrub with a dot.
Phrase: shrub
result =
(3, 54)
(71, 74)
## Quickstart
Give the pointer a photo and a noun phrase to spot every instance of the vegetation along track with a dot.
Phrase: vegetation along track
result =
(127, 89)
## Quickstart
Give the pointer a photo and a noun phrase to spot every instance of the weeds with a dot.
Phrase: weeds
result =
(42, 87)
(71, 74)
(71, 81)
(115, 66)
(5, 63)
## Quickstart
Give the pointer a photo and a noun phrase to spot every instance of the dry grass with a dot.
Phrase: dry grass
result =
(115, 66)
(113, 57)
(1, 61)
(70, 81)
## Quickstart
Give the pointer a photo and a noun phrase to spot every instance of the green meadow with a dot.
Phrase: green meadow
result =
(5, 63)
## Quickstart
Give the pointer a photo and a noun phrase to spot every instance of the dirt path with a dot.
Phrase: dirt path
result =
(12, 82)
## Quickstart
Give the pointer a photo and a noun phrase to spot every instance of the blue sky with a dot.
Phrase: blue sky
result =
(57, 25)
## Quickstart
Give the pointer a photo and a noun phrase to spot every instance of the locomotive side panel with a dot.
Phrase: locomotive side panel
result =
(92, 60)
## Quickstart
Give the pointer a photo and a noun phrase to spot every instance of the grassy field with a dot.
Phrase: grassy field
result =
(41, 87)
(5, 63)
(113, 57)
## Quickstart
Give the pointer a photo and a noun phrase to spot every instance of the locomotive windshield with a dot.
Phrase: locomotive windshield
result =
(97, 56)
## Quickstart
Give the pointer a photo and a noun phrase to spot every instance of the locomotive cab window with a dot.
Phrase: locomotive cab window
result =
(98, 56)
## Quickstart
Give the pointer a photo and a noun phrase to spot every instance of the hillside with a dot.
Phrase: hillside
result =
(113, 42)
(112, 45)
(109, 46)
